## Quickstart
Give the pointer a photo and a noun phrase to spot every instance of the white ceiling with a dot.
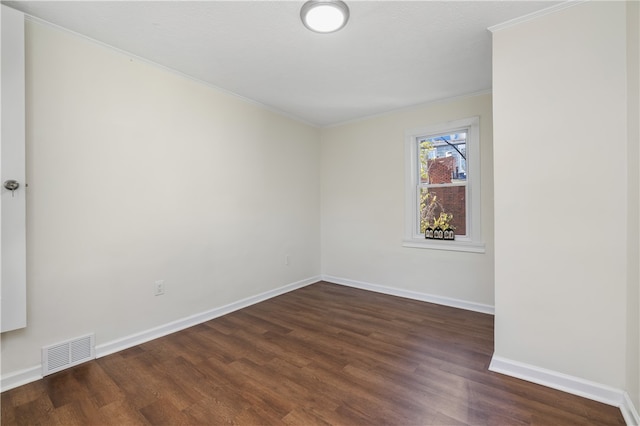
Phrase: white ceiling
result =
(391, 54)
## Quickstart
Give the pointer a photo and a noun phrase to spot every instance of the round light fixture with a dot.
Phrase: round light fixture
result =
(324, 16)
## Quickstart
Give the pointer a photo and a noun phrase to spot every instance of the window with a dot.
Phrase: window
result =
(443, 185)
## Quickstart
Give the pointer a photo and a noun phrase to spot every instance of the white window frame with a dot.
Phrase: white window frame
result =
(472, 242)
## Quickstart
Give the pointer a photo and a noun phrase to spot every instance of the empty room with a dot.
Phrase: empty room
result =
(320, 212)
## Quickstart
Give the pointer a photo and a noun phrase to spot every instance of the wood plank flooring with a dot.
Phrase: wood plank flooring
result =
(323, 354)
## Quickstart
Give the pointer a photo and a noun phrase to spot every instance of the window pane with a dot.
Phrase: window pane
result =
(443, 158)
(442, 184)
(440, 203)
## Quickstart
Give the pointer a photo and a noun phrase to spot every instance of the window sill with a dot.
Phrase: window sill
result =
(455, 245)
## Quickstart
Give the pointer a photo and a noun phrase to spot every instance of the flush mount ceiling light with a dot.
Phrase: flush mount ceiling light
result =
(324, 16)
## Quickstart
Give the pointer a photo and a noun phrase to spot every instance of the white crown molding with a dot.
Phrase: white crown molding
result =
(438, 101)
(535, 15)
(566, 383)
(170, 70)
(414, 295)
(31, 374)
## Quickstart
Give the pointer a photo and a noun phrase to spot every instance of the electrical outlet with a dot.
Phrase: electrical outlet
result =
(287, 259)
(159, 288)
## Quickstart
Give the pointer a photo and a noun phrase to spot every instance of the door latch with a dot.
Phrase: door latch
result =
(11, 185)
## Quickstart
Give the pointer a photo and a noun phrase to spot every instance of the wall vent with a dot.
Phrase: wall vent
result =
(67, 354)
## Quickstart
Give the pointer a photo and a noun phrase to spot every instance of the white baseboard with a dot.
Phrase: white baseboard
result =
(424, 297)
(156, 332)
(31, 374)
(629, 411)
(19, 378)
(570, 384)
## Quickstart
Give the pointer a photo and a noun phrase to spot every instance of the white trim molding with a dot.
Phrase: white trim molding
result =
(566, 383)
(629, 411)
(173, 71)
(22, 377)
(408, 294)
(535, 15)
(413, 238)
(163, 330)
(455, 245)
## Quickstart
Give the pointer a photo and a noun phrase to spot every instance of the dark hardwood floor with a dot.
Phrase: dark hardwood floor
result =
(323, 354)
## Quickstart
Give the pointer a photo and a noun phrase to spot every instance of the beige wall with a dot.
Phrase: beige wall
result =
(633, 163)
(363, 174)
(137, 174)
(560, 144)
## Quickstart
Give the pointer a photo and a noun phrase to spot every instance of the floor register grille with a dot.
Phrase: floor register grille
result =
(67, 354)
